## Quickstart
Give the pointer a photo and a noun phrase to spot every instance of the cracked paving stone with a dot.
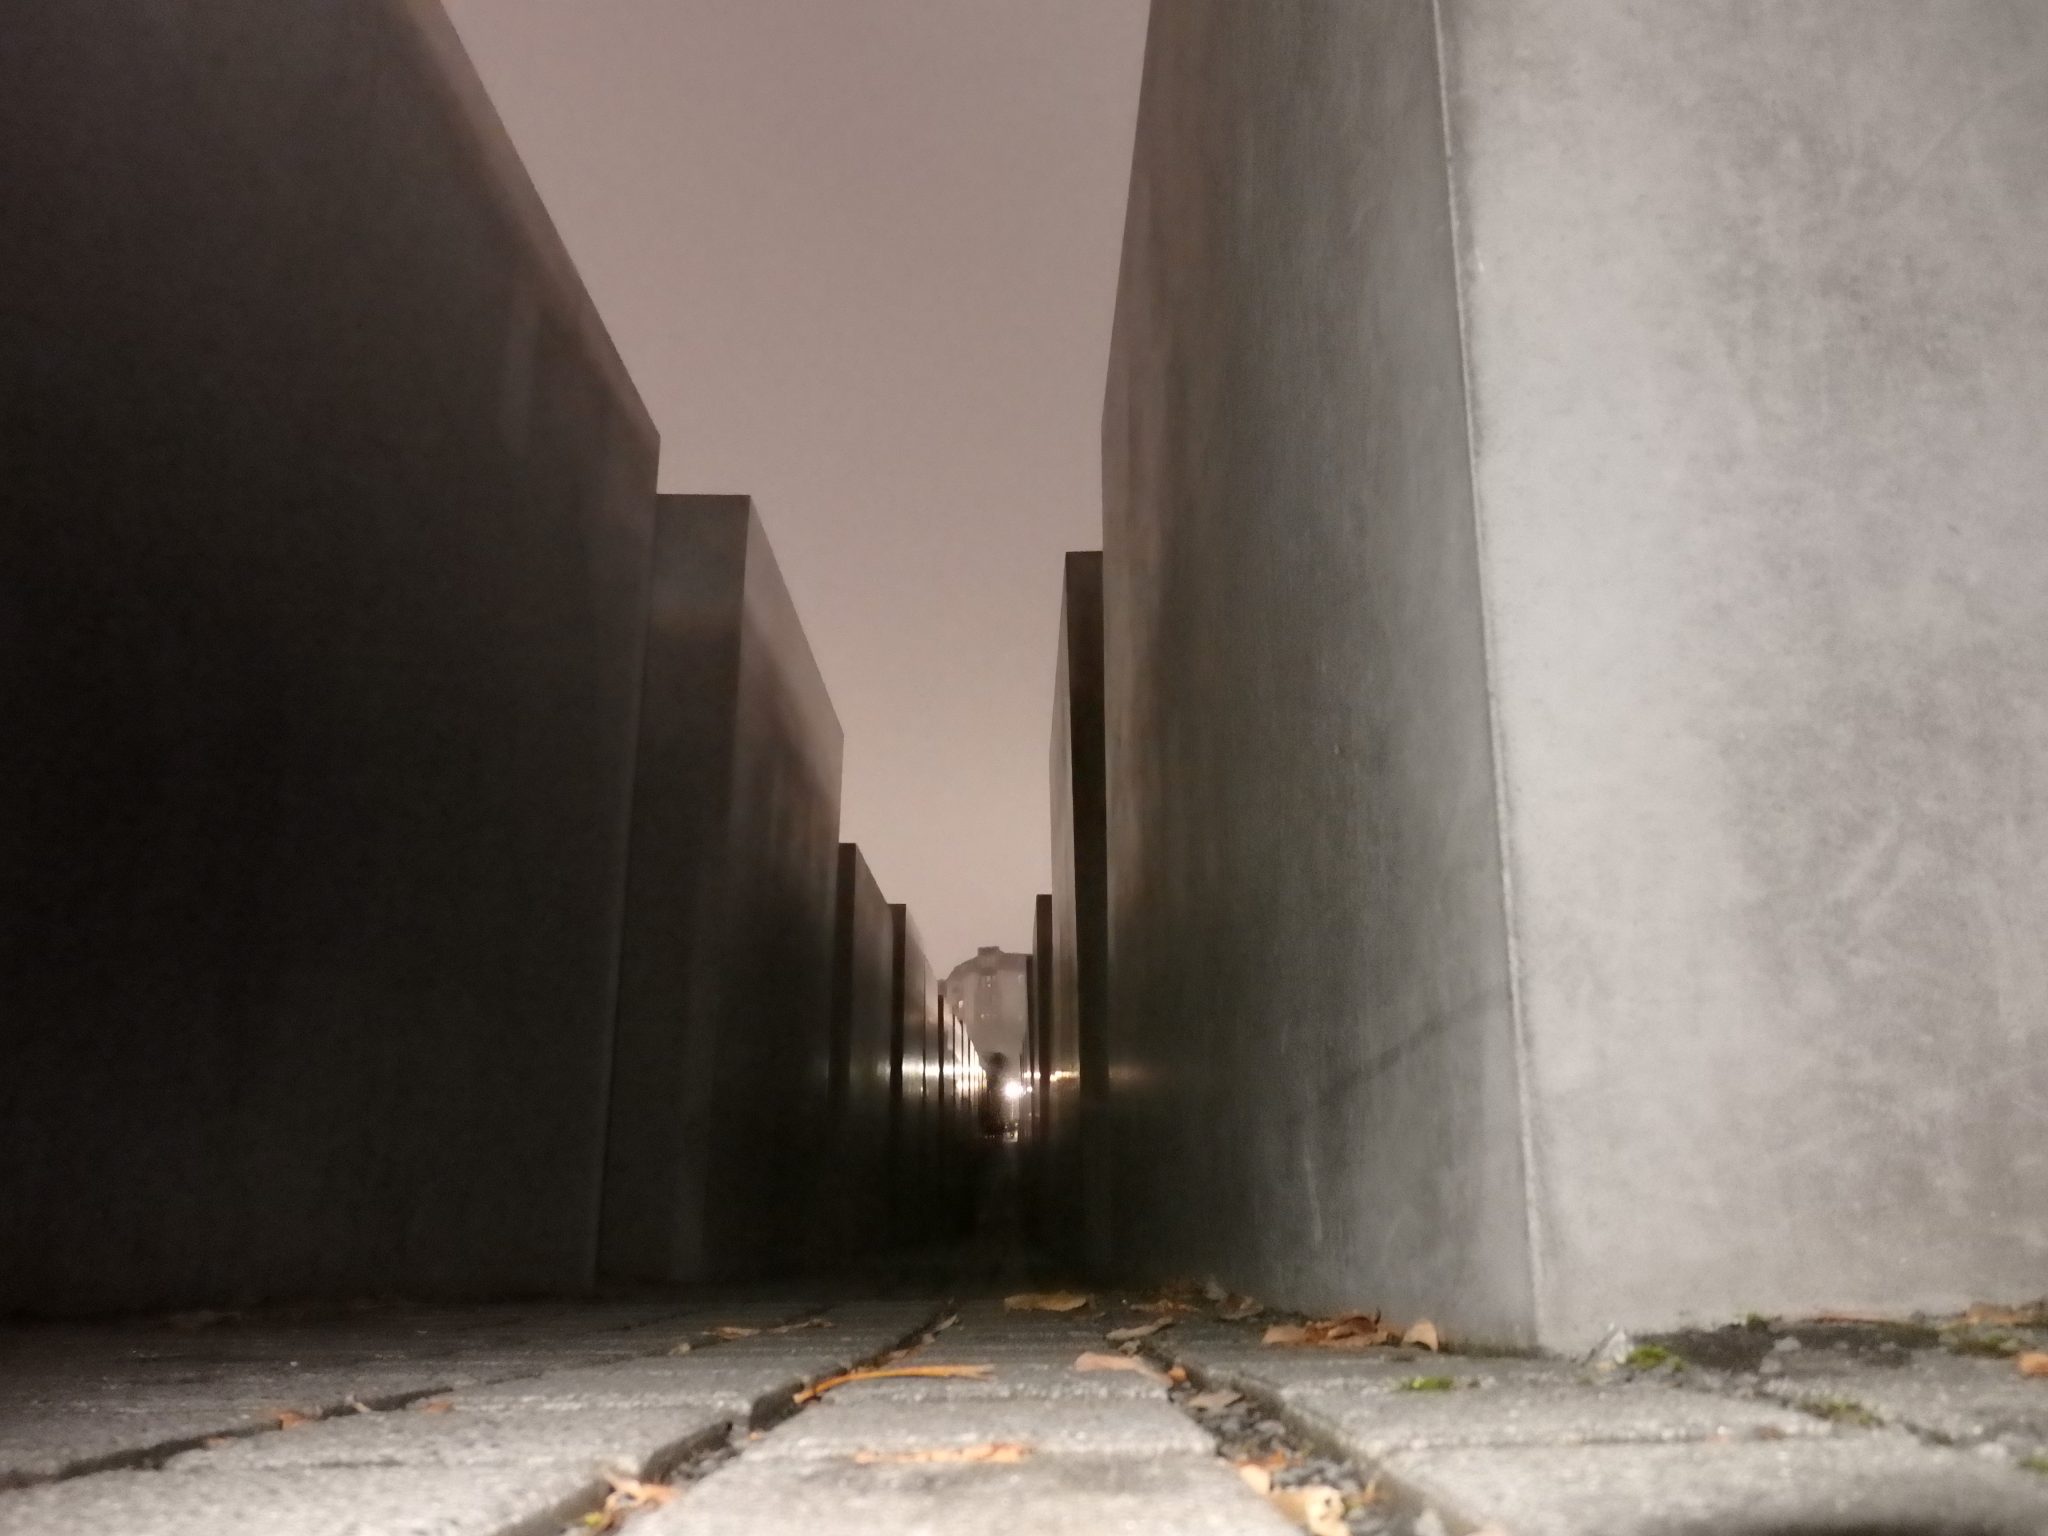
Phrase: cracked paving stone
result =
(407, 1501)
(1041, 1496)
(1076, 1427)
(1853, 1486)
(1961, 1399)
(1560, 1412)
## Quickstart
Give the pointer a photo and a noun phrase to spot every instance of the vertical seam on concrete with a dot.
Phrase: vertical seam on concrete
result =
(1525, 1130)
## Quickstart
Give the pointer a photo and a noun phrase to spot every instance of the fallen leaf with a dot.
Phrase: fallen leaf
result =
(2033, 1314)
(1003, 1452)
(1178, 1376)
(1213, 1291)
(1090, 1361)
(215, 1442)
(1256, 1477)
(799, 1327)
(1317, 1509)
(1423, 1335)
(1210, 1402)
(1138, 1331)
(357, 1405)
(731, 1331)
(627, 1495)
(1171, 1305)
(290, 1420)
(1238, 1308)
(1352, 1330)
(2033, 1363)
(943, 1324)
(434, 1405)
(885, 1373)
(680, 1349)
(1046, 1301)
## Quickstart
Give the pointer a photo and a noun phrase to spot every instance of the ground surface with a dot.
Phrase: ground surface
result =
(673, 1419)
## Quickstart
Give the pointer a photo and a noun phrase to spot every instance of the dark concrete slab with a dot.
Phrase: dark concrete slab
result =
(854, 1178)
(913, 1100)
(322, 574)
(719, 1077)
(1076, 1110)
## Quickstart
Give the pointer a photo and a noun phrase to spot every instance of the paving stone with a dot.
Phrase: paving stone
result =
(1042, 1496)
(734, 1388)
(1851, 1486)
(1022, 1377)
(1099, 1427)
(481, 1501)
(1567, 1412)
(1968, 1401)
(1253, 1367)
(632, 1440)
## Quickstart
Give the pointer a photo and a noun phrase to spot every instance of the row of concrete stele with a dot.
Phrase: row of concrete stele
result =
(422, 869)
(1550, 769)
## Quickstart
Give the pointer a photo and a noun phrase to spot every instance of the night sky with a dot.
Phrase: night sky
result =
(860, 257)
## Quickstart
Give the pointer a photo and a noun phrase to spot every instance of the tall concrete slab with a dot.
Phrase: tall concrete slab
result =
(720, 1075)
(1076, 1107)
(1572, 574)
(866, 1064)
(324, 513)
(915, 1014)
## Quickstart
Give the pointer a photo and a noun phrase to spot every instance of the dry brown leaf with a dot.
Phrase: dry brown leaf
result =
(1256, 1477)
(627, 1495)
(434, 1405)
(290, 1420)
(1046, 1301)
(1210, 1402)
(885, 1373)
(1423, 1335)
(2033, 1363)
(731, 1331)
(1173, 1306)
(1088, 1360)
(1237, 1308)
(1177, 1375)
(1002, 1452)
(1317, 1509)
(1352, 1330)
(1138, 1331)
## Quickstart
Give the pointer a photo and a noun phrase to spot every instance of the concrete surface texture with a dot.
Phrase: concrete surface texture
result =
(1640, 416)
(503, 1420)
(856, 1173)
(719, 1074)
(913, 1119)
(1074, 1116)
(321, 595)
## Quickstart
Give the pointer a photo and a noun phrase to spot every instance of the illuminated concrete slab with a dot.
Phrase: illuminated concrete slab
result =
(855, 1174)
(327, 509)
(1573, 569)
(721, 1067)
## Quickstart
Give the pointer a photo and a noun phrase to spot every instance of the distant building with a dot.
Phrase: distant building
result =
(991, 996)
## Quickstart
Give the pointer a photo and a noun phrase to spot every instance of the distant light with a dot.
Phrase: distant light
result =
(1014, 1089)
